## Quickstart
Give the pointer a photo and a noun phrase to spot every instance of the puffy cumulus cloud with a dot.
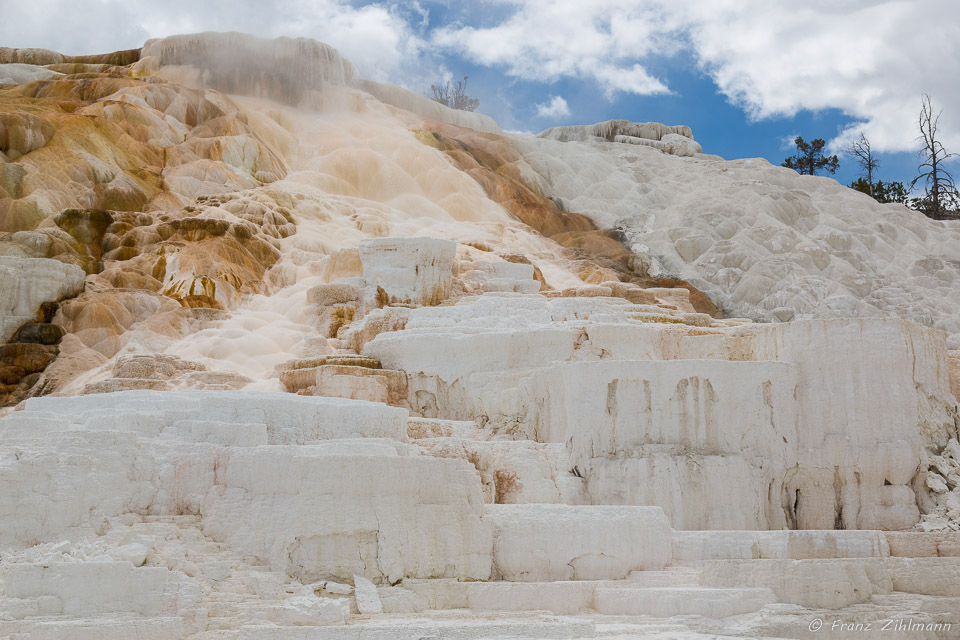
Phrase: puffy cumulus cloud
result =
(377, 38)
(545, 40)
(872, 59)
(557, 107)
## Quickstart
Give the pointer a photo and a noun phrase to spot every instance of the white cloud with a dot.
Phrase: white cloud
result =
(788, 142)
(546, 40)
(556, 108)
(872, 59)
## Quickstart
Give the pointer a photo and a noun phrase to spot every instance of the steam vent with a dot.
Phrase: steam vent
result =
(289, 354)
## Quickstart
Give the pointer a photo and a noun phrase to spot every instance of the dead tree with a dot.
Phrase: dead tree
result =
(860, 149)
(455, 98)
(941, 190)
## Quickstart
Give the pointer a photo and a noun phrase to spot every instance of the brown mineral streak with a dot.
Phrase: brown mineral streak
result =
(492, 162)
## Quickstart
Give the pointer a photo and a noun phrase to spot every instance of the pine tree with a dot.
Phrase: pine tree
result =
(809, 158)
(881, 191)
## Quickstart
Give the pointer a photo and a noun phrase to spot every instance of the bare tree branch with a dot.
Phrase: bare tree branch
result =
(861, 150)
(941, 197)
(456, 97)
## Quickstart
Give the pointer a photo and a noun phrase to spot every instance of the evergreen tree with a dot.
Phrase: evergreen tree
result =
(809, 158)
(882, 191)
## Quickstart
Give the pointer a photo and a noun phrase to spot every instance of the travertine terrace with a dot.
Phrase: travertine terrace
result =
(288, 354)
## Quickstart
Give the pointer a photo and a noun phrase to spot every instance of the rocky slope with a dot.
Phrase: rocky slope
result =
(284, 348)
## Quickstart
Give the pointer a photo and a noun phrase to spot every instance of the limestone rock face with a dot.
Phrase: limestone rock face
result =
(671, 143)
(797, 247)
(954, 359)
(26, 283)
(18, 73)
(657, 415)
(368, 601)
(231, 479)
(409, 270)
(805, 582)
(30, 289)
(634, 401)
(284, 349)
(609, 130)
(361, 523)
(597, 542)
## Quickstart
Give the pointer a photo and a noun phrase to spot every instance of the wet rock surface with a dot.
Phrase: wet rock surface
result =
(290, 354)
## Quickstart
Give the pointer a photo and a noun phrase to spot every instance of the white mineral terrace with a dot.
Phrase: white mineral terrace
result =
(384, 407)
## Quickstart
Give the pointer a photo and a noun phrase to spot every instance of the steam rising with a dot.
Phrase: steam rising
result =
(285, 69)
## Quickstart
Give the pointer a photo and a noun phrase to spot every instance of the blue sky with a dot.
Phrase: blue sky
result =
(721, 127)
(721, 123)
(745, 75)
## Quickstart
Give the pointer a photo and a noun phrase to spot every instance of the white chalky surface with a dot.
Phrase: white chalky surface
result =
(426, 419)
